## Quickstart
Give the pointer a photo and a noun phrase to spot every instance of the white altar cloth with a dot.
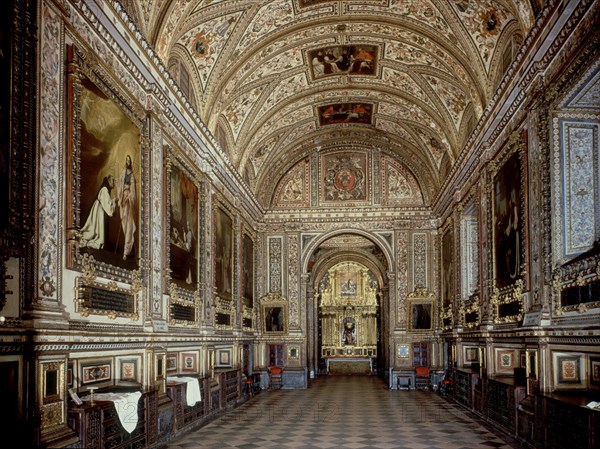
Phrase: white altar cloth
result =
(126, 405)
(192, 389)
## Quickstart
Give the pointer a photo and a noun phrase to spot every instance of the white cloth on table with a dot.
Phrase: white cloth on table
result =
(192, 389)
(126, 406)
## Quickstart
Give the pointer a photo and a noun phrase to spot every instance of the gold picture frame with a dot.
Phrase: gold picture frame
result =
(274, 313)
(105, 136)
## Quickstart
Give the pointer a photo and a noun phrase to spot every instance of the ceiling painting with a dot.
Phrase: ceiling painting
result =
(484, 21)
(331, 114)
(205, 43)
(342, 60)
(286, 75)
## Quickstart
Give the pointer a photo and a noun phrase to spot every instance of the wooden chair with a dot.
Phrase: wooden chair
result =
(276, 377)
(422, 378)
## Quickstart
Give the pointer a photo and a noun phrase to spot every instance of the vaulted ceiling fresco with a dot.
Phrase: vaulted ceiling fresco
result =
(277, 80)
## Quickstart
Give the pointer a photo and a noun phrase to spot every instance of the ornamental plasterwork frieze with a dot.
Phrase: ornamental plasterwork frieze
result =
(310, 224)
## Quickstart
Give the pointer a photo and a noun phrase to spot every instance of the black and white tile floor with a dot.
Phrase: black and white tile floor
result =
(345, 412)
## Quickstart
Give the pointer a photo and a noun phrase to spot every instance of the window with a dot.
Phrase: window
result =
(469, 252)
(183, 80)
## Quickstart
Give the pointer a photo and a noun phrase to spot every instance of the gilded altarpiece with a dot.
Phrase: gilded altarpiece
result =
(348, 311)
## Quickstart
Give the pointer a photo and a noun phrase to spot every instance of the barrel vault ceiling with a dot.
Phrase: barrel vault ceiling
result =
(277, 80)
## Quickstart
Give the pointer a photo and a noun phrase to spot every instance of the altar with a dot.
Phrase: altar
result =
(349, 366)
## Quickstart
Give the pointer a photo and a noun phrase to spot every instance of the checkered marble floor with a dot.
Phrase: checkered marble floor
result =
(353, 412)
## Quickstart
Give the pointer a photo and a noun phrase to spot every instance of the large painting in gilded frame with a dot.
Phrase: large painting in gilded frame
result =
(508, 222)
(223, 251)
(247, 271)
(183, 213)
(447, 268)
(106, 157)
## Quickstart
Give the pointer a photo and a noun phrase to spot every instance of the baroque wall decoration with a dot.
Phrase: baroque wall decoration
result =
(420, 262)
(448, 264)
(275, 264)
(293, 190)
(580, 184)
(50, 157)
(400, 188)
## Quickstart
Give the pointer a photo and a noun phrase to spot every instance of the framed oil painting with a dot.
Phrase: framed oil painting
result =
(332, 114)
(106, 157)
(274, 310)
(447, 268)
(274, 318)
(247, 271)
(343, 60)
(508, 222)
(183, 229)
(421, 316)
(223, 251)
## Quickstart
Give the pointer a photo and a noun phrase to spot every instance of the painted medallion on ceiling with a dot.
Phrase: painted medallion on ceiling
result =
(344, 176)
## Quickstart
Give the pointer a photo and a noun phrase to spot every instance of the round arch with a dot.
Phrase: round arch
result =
(377, 239)
(311, 275)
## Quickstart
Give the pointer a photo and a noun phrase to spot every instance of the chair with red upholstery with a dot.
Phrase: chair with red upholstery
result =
(276, 377)
(422, 378)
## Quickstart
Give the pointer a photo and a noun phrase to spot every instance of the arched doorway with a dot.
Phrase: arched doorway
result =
(342, 324)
